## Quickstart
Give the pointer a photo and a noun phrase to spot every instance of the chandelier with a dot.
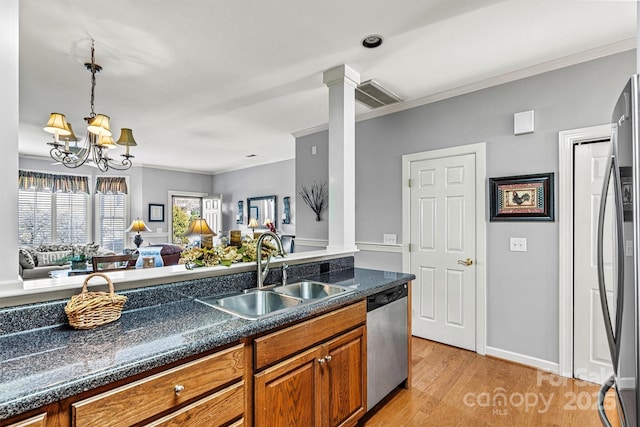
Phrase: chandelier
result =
(96, 145)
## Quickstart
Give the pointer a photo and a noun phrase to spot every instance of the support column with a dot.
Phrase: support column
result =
(9, 278)
(342, 81)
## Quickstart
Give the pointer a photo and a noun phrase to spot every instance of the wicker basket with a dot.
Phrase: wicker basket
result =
(91, 309)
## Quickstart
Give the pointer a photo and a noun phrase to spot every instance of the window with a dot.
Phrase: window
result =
(184, 209)
(111, 212)
(52, 208)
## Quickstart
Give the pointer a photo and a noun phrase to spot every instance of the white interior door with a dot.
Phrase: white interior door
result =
(592, 361)
(212, 213)
(443, 238)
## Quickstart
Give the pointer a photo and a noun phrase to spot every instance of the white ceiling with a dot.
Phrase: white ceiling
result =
(205, 83)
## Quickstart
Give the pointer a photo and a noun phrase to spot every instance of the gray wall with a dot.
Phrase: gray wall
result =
(156, 183)
(266, 180)
(522, 288)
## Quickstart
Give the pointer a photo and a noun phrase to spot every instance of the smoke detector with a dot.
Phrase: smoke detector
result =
(373, 95)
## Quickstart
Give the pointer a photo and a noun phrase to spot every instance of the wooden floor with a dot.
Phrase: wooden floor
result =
(454, 387)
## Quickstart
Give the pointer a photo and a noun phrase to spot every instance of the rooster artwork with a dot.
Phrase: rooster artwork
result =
(518, 200)
(522, 198)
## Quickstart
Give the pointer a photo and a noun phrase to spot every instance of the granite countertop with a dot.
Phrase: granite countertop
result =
(47, 364)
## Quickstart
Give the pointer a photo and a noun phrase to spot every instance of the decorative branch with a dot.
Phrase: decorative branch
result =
(315, 197)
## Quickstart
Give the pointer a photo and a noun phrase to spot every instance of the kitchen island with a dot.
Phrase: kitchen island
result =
(162, 327)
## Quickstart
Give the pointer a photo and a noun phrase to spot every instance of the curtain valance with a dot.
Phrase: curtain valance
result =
(111, 185)
(39, 181)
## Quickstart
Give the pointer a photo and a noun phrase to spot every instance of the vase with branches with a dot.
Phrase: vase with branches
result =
(316, 197)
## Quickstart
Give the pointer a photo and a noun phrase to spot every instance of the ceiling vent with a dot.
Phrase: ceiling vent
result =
(371, 94)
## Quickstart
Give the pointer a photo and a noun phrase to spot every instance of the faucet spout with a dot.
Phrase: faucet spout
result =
(262, 273)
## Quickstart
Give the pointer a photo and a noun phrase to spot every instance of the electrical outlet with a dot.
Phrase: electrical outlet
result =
(518, 244)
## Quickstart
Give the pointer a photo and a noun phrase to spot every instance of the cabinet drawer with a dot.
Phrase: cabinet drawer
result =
(278, 345)
(37, 421)
(145, 398)
(214, 410)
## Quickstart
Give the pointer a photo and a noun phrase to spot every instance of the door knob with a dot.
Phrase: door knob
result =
(466, 262)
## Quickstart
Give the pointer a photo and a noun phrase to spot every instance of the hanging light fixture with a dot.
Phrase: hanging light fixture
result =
(96, 145)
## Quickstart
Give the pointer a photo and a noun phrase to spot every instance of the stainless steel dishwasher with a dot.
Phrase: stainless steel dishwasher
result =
(387, 342)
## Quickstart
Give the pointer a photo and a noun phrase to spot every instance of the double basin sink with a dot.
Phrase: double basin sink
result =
(258, 303)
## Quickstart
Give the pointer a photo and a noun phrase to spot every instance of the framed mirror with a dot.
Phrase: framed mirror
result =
(262, 208)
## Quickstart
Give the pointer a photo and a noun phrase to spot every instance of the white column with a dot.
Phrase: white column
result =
(342, 81)
(9, 278)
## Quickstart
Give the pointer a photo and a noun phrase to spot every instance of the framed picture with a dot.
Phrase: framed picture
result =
(156, 212)
(522, 198)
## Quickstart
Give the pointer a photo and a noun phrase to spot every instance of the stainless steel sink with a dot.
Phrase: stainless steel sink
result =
(256, 303)
(310, 290)
(253, 305)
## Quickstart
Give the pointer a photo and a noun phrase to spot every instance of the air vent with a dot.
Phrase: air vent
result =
(371, 94)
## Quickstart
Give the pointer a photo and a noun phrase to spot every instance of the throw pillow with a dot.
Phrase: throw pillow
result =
(25, 259)
(52, 258)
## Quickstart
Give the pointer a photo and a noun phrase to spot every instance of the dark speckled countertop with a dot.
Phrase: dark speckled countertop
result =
(41, 365)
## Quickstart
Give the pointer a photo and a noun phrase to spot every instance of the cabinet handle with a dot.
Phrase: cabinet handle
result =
(321, 361)
(328, 358)
(178, 389)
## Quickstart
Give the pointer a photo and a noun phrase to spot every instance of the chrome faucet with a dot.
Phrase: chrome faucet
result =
(262, 274)
(285, 269)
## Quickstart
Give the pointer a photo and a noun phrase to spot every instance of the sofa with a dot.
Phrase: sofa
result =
(38, 261)
(170, 253)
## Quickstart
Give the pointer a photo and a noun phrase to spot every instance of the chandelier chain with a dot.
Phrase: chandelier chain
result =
(93, 78)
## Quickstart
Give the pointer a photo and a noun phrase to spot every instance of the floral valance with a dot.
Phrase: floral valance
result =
(39, 181)
(111, 185)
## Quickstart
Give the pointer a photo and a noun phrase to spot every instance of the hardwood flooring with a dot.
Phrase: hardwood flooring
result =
(455, 387)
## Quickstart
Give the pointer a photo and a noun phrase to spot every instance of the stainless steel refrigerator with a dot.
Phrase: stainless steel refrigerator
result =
(620, 196)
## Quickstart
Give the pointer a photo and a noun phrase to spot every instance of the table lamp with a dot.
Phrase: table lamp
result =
(200, 227)
(137, 225)
(253, 224)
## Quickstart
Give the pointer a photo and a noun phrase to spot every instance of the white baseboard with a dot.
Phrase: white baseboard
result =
(534, 362)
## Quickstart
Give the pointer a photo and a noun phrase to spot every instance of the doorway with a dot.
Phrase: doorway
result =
(591, 361)
(444, 235)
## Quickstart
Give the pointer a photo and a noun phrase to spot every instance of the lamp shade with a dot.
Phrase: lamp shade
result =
(253, 223)
(126, 137)
(100, 125)
(199, 226)
(137, 225)
(106, 142)
(72, 136)
(57, 125)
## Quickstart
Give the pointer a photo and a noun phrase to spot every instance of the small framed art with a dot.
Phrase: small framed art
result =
(156, 212)
(522, 198)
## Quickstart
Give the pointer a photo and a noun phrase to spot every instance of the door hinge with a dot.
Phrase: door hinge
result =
(409, 182)
(410, 247)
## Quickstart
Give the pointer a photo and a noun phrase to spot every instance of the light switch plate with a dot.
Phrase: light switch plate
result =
(389, 239)
(518, 244)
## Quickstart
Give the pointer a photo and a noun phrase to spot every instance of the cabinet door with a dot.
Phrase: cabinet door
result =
(344, 379)
(37, 421)
(286, 394)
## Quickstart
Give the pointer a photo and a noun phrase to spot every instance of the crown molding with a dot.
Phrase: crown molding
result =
(554, 64)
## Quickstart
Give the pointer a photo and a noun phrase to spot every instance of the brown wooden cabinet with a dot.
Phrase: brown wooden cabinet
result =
(324, 385)
(36, 421)
(149, 397)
